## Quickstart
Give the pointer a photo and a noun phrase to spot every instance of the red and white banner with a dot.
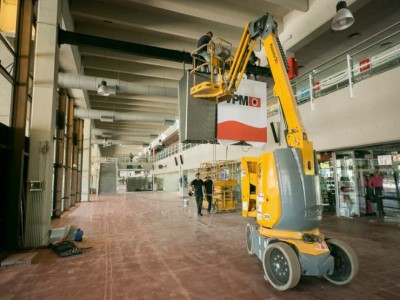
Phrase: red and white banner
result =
(244, 117)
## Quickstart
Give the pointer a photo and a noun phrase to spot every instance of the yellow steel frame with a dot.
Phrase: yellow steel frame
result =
(221, 173)
(212, 89)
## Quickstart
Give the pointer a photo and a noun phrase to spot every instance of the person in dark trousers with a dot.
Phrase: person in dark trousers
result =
(253, 61)
(209, 185)
(376, 183)
(204, 40)
(198, 184)
(131, 157)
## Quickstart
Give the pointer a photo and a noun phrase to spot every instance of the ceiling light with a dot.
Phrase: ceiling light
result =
(103, 89)
(343, 18)
(386, 44)
(108, 119)
(169, 122)
(351, 35)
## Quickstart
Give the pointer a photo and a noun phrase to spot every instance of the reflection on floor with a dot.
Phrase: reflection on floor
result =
(147, 245)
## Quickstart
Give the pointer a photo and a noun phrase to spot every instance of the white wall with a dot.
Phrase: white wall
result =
(205, 153)
(171, 182)
(86, 161)
(371, 117)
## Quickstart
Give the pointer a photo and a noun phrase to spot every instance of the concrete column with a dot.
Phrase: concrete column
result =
(59, 157)
(85, 191)
(75, 155)
(44, 103)
(183, 182)
(95, 168)
(80, 151)
(68, 155)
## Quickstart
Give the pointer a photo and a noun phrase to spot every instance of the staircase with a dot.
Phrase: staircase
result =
(108, 179)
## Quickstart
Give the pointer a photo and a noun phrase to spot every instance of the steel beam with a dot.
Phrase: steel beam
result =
(80, 39)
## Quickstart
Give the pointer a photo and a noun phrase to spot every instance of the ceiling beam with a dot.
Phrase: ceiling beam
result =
(138, 79)
(122, 57)
(121, 101)
(144, 98)
(301, 5)
(132, 68)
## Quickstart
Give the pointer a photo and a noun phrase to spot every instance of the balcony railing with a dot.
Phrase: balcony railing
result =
(377, 54)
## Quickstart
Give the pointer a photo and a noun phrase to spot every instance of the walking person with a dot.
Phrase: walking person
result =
(376, 183)
(198, 184)
(209, 186)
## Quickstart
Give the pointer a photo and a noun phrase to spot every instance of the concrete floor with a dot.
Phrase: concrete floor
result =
(149, 246)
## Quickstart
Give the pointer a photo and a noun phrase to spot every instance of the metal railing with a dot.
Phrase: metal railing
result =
(377, 54)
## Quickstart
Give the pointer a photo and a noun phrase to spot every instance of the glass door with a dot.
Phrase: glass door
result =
(364, 170)
(346, 187)
(327, 181)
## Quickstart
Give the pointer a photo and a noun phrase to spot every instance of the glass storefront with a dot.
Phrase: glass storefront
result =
(348, 186)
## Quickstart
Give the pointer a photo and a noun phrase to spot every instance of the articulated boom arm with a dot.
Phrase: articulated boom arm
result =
(296, 135)
(265, 28)
(224, 88)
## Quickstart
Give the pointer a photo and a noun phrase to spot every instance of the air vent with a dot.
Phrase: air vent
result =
(108, 119)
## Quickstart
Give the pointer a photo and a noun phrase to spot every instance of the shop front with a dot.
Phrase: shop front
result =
(361, 182)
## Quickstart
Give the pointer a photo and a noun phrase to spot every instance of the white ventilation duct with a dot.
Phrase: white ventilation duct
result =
(110, 116)
(118, 142)
(110, 133)
(91, 83)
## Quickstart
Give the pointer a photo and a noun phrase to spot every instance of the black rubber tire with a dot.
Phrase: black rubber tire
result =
(346, 262)
(249, 240)
(281, 266)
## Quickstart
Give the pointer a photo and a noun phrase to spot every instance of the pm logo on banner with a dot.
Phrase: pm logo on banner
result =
(254, 101)
(244, 117)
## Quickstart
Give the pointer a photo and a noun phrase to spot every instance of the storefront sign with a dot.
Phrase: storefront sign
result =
(384, 160)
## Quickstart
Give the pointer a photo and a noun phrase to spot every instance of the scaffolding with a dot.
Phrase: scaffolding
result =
(222, 173)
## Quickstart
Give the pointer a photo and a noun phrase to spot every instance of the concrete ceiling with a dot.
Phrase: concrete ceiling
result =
(177, 24)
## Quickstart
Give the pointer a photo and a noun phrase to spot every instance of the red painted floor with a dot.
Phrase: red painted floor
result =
(148, 246)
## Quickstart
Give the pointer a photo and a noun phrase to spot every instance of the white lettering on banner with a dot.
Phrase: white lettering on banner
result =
(244, 117)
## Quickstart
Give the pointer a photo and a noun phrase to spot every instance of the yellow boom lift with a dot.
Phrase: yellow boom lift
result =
(280, 189)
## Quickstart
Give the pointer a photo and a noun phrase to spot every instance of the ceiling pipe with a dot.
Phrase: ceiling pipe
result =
(117, 142)
(97, 131)
(110, 116)
(92, 83)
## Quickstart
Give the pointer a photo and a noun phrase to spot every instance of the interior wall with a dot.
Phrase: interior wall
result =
(171, 182)
(371, 117)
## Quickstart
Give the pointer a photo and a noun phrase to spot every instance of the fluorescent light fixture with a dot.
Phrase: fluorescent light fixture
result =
(108, 119)
(103, 89)
(169, 122)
